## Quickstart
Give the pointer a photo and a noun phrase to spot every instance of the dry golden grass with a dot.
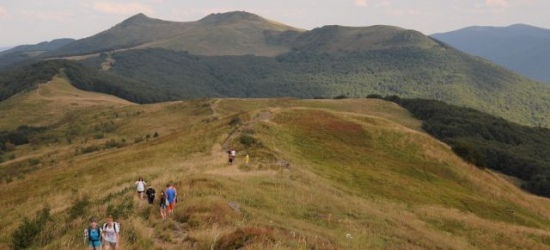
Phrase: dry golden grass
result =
(324, 174)
(52, 102)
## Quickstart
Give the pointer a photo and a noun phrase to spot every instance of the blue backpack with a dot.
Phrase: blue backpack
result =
(94, 234)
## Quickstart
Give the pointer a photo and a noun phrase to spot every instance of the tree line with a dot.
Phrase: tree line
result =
(488, 141)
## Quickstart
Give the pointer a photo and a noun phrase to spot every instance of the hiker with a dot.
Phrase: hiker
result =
(111, 232)
(163, 205)
(233, 155)
(150, 194)
(140, 187)
(93, 235)
(172, 197)
(229, 158)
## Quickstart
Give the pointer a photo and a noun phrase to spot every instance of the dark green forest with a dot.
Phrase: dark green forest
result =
(409, 72)
(26, 77)
(488, 141)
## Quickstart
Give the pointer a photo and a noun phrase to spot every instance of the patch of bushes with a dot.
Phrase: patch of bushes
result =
(22, 135)
(90, 149)
(340, 97)
(27, 233)
(112, 143)
(247, 140)
(235, 121)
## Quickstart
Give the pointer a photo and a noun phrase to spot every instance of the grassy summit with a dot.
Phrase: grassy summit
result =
(324, 174)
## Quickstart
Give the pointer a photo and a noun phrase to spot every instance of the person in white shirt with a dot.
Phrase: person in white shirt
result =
(111, 234)
(140, 187)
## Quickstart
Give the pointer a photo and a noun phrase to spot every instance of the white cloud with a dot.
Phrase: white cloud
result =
(360, 3)
(122, 8)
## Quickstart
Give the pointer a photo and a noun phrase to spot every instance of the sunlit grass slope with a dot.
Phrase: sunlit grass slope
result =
(323, 174)
(52, 102)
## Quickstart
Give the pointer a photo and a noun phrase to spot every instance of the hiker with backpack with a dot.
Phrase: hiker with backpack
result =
(140, 183)
(111, 232)
(150, 194)
(93, 235)
(171, 196)
(163, 205)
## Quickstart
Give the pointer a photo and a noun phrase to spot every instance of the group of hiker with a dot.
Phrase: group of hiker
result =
(167, 200)
(232, 153)
(106, 236)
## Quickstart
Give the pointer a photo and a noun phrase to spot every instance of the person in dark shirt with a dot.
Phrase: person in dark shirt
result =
(150, 194)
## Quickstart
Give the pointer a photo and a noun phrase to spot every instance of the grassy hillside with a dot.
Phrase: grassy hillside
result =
(51, 102)
(334, 38)
(489, 141)
(324, 174)
(232, 33)
(134, 31)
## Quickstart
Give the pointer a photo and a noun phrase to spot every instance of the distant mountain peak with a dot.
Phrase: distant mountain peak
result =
(232, 16)
(137, 20)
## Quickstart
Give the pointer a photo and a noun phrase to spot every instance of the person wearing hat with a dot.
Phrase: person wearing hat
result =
(93, 235)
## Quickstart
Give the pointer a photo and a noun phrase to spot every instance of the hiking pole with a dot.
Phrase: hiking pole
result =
(85, 236)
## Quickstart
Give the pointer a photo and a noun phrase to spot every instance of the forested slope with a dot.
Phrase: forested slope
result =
(488, 141)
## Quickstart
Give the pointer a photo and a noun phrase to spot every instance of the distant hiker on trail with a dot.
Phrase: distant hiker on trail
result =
(111, 232)
(93, 234)
(140, 187)
(163, 205)
(231, 155)
(150, 194)
(172, 197)
(229, 158)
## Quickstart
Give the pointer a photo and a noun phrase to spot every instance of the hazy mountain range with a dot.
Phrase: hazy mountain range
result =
(2, 48)
(239, 54)
(522, 48)
(24, 53)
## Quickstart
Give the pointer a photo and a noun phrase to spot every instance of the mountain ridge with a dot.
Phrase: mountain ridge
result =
(22, 53)
(521, 48)
(236, 32)
(242, 55)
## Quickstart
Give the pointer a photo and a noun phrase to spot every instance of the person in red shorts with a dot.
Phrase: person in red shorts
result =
(171, 196)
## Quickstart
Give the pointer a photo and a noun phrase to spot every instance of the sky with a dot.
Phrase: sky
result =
(33, 21)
